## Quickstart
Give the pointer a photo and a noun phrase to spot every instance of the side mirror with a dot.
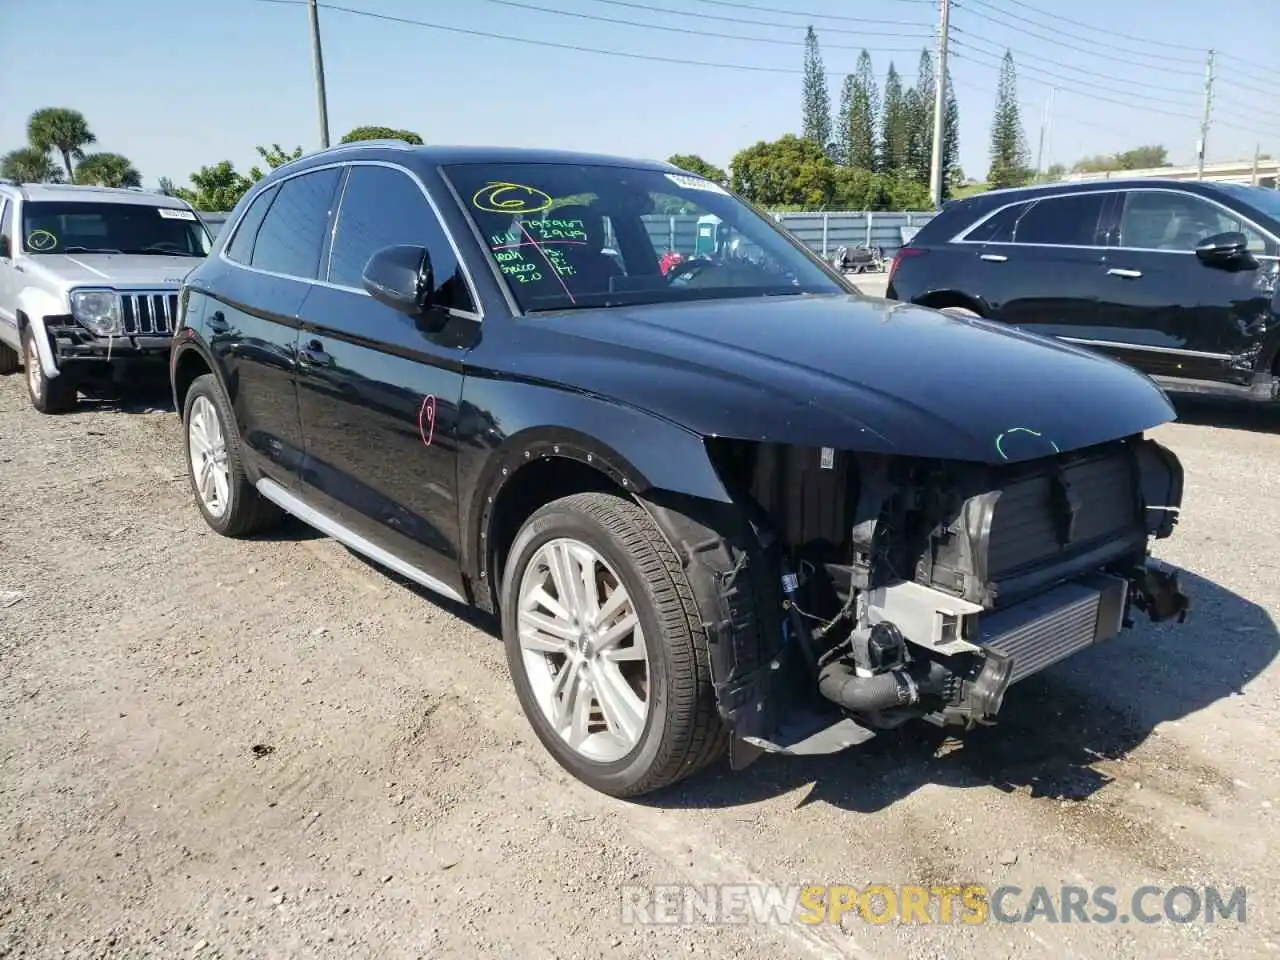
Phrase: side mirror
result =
(6, 249)
(1223, 247)
(400, 277)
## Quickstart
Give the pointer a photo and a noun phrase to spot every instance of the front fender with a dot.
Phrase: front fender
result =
(506, 425)
(187, 342)
(36, 304)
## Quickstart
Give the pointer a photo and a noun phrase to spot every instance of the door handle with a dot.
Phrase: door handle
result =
(1124, 272)
(994, 257)
(313, 354)
(218, 322)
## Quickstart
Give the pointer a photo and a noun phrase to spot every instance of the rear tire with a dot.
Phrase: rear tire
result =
(229, 503)
(10, 362)
(48, 394)
(664, 724)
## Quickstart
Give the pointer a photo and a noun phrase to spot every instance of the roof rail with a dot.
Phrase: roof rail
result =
(353, 145)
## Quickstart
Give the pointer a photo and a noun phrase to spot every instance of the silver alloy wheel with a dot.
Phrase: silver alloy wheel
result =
(208, 451)
(35, 381)
(583, 650)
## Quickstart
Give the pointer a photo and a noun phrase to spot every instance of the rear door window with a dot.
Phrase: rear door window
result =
(1070, 221)
(292, 235)
(998, 228)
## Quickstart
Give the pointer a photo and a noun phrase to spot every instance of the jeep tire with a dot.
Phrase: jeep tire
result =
(47, 394)
(681, 731)
(10, 362)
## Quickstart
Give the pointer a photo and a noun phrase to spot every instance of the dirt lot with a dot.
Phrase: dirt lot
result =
(274, 749)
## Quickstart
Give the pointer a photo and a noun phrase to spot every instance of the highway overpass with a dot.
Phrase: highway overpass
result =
(1266, 174)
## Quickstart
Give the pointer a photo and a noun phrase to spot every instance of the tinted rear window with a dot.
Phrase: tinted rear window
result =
(292, 236)
(1062, 221)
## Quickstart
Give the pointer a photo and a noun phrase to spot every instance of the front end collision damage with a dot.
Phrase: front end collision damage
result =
(843, 594)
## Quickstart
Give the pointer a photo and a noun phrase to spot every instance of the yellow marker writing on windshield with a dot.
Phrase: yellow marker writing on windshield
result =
(504, 197)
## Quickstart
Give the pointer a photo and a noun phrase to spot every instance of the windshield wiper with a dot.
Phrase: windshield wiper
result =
(89, 250)
(160, 253)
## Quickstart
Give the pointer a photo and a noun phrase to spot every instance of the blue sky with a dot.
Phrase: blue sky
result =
(175, 84)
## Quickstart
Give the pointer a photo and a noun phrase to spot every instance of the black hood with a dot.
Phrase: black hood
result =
(845, 372)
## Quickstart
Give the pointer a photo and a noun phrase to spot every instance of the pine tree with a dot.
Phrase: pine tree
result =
(920, 122)
(844, 121)
(950, 140)
(866, 110)
(894, 124)
(817, 102)
(859, 104)
(1009, 154)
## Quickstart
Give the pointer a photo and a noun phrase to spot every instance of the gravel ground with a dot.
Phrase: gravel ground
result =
(272, 748)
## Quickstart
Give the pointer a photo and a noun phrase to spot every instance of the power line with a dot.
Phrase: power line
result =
(1246, 73)
(1107, 30)
(577, 48)
(1057, 40)
(697, 33)
(1062, 82)
(649, 8)
(972, 38)
(965, 85)
(806, 14)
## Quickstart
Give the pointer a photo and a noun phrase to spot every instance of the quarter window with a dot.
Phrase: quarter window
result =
(292, 234)
(240, 249)
(384, 207)
(1070, 221)
(1164, 220)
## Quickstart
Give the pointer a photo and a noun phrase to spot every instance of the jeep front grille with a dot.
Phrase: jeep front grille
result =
(149, 314)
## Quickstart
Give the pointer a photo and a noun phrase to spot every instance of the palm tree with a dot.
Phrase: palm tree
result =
(61, 129)
(29, 165)
(108, 170)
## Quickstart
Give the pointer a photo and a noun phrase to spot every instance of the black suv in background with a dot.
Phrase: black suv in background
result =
(1176, 278)
(729, 506)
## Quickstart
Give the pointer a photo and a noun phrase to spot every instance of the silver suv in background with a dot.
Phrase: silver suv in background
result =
(89, 281)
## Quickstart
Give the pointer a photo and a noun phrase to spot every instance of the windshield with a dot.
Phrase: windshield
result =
(88, 227)
(572, 235)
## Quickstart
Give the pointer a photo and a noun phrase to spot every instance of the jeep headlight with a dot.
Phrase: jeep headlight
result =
(99, 311)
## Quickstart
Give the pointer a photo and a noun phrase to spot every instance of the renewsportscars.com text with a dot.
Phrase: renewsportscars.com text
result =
(969, 903)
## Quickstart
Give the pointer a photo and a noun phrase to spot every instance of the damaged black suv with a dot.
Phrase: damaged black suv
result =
(720, 502)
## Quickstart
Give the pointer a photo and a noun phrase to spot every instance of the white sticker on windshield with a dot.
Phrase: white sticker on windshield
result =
(695, 183)
(173, 213)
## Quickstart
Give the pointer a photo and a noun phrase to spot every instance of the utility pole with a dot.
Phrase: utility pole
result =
(940, 106)
(1257, 155)
(1204, 123)
(1044, 126)
(318, 57)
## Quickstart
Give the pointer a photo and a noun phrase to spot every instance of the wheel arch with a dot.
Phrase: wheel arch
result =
(189, 360)
(186, 365)
(730, 571)
(939, 299)
(33, 305)
(541, 464)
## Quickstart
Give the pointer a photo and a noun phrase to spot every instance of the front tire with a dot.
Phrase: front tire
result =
(606, 648)
(47, 394)
(227, 500)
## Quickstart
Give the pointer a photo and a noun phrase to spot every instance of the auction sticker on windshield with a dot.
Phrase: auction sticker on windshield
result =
(173, 213)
